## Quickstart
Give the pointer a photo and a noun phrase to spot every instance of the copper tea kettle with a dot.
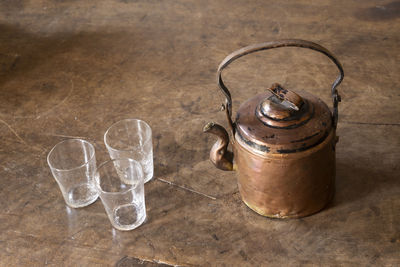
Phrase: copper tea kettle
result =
(283, 143)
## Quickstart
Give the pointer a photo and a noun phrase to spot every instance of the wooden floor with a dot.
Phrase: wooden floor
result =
(72, 68)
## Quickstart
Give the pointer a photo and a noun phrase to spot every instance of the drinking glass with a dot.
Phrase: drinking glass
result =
(122, 196)
(131, 138)
(73, 163)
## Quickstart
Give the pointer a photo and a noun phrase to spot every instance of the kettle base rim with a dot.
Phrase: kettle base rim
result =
(288, 217)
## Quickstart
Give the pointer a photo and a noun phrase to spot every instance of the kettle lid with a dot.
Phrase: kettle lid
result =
(282, 121)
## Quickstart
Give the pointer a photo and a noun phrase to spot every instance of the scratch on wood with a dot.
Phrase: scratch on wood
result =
(25, 234)
(38, 115)
(13, 131)
(38, 148)
(60, 103)
(66, 136)
(185, 188)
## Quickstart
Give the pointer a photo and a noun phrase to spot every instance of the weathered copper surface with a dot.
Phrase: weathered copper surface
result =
(271, 45)
(72, 68)
(286, 185)
(283, 142)
(282, 104)
(219, 155)
(312, 126)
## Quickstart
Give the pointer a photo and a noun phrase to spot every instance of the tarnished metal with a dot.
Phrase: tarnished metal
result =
(285, 102)
(303, 129)
(284, 143)
(277, 44)
(219, 155)
(287, 185)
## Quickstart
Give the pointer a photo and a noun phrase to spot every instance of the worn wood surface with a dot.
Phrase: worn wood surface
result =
(72, 68)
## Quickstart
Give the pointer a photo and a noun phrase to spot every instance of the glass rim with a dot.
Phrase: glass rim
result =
(148, 137)
(130, 187)
(74, 168)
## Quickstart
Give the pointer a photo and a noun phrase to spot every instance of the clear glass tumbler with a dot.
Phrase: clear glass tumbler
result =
(131, 138)
(73, 164)
(122, 196)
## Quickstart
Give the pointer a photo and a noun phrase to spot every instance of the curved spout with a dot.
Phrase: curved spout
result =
(219, 155)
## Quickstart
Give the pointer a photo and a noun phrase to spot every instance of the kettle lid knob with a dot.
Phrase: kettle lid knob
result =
(282, 108)
(281, 104)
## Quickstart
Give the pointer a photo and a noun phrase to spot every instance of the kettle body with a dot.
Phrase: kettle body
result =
(287, 186)
(283, 144)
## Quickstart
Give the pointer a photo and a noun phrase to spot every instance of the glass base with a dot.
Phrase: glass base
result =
(81, 196)
(128, 217)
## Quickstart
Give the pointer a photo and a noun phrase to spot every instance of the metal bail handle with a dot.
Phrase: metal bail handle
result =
(276, 44)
